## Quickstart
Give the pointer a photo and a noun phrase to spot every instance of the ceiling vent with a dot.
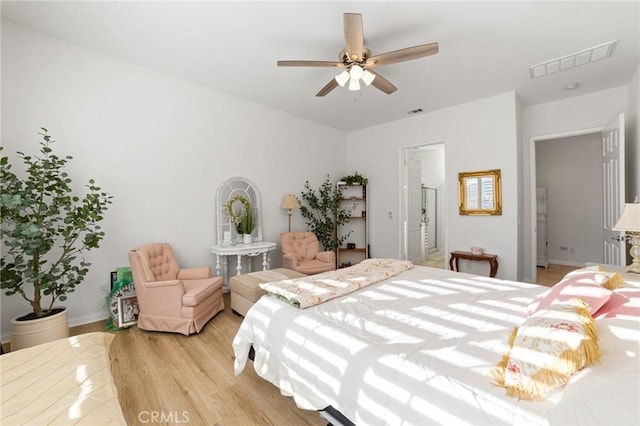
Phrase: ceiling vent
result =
(572, 60)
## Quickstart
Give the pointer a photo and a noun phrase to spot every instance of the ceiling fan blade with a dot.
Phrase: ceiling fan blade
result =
(310, 64)
(382, 83)
(353, 36)
(328, 87)
(401, 55)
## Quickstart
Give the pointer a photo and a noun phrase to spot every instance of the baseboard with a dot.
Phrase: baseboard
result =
(566, 263)
(88, 319)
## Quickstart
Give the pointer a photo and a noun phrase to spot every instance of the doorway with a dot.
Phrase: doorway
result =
(578, 218)
(422, 235)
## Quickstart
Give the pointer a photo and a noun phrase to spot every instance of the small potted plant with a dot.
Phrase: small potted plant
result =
(46, 229)
(355, 179)
(243, 216)
(248, 225)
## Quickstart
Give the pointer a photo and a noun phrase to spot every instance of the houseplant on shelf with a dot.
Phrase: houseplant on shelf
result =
(355, 179)
(45, 229)
(323, 213)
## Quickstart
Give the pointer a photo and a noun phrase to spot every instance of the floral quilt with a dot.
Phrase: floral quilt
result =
(314, 289)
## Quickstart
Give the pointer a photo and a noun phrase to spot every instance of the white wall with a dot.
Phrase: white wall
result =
(574, 197)
(159, 145)
(479, 135)
(554, 118)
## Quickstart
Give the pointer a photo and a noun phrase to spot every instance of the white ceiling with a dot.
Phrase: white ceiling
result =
(486, 48)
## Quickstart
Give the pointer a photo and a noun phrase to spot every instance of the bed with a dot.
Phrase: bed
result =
(67, 381)
(420, 347)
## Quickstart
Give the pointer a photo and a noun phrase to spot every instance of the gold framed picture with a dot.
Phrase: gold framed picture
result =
(480, 192)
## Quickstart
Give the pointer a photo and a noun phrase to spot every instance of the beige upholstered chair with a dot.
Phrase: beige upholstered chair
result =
(301, 252)
(169, 298)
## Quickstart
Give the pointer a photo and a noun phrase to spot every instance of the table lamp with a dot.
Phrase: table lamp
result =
(629, 222)
(290, 202)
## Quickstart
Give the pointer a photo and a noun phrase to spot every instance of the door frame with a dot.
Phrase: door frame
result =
(402, 196)
(532, 188)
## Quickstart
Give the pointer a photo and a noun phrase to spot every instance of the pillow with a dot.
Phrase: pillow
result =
(623, 302)
(607, 267)
(592, 268)
(630, 279)
(606, 279)
(612, 280)
(547, 349)
(579, 285)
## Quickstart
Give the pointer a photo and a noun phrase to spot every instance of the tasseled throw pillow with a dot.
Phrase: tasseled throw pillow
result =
(547, 349)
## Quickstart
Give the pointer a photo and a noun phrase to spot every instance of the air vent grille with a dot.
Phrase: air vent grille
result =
(592, 54)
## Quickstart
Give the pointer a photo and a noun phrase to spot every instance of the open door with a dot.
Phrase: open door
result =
(414, 204)
(614, 190)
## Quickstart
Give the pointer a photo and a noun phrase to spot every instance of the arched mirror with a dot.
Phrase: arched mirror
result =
(237, 197)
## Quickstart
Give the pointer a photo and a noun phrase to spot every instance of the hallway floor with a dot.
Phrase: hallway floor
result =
(552, 274)
(435, 260)
(545, 276)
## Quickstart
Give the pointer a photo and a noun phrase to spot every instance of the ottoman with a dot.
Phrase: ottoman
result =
(245, 289)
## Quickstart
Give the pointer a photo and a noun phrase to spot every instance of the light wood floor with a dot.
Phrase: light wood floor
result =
(544, 276)
(552, 274)
(175, 374)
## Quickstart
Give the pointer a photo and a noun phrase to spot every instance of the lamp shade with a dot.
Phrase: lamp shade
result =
(354, 85)
(368, 77)
(356, 72)
(290, 202)
(630, 219)
(342, 78)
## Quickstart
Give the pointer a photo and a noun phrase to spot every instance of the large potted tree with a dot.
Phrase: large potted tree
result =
(323, 213)
(46, 229)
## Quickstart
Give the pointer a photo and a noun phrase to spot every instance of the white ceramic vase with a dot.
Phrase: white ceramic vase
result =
(247, 238)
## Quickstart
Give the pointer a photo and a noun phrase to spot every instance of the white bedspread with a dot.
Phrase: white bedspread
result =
(65, 382)
(416, 349)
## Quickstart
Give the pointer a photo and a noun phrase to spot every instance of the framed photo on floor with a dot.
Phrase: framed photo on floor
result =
(127, 311)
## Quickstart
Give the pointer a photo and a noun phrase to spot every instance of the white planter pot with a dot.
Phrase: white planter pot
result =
(29, 333)
(247, 238)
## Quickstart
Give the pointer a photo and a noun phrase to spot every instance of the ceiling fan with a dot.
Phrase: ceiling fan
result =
(357, 62)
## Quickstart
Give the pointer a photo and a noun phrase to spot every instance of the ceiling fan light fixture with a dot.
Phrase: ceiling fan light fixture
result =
(355, 60)
(368, 77)
(342, 78)
(356, 72)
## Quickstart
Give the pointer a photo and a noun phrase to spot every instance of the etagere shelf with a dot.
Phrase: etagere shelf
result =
(356, 248)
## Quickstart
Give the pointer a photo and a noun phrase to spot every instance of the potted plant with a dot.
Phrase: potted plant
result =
(242, 215)
(248, 224)
(45, 229)
(355, 179)
(323, 213)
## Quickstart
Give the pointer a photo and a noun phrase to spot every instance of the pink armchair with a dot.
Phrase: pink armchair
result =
(169, 298)
(301, 252)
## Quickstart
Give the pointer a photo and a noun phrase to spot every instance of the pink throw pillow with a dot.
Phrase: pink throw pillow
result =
(623, 302)
(576, 286)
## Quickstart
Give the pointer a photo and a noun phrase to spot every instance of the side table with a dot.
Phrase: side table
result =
(239, 250)
(486, 257)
